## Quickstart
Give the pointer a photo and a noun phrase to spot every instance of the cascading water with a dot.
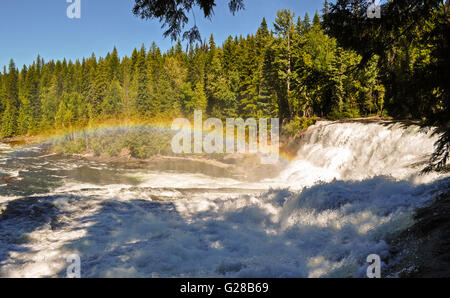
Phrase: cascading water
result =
(357, 151)
(351, 187)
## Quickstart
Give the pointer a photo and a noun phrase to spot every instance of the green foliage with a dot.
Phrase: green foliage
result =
(2, 96)
(112, 105)
(194, 99)
(297, 70)
(138, 142)
(9, 124)
(298, 124)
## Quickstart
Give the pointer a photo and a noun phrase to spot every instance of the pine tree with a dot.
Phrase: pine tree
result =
(142, 103)
(9, 119)
(127, 88)
(196, 67)
(24, 118)
(283, 62)
(326, 7)
(49, 100)
(249, 79)
(2, 94)
(100, 88)
(114, 65)
(221, 100)
(112, 105)
(200, 100)
(306, 25)
(30, 109)
(316, 20)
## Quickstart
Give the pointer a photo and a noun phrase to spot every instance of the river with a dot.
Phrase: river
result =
(350, 187)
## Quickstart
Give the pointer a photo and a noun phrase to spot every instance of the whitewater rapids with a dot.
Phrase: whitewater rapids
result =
(351, 187)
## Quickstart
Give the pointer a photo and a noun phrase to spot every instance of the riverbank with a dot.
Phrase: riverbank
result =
(133, 143)
(21, 140)
(427, 242)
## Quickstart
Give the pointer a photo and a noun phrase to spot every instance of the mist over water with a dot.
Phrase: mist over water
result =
(358, 151)
(351, 187)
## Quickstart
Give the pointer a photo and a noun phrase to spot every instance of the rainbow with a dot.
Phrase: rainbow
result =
(116, 128)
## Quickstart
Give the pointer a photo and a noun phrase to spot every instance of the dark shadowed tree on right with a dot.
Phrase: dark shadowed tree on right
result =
(416, 90)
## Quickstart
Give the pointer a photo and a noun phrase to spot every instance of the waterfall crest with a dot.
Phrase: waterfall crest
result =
(358, 151)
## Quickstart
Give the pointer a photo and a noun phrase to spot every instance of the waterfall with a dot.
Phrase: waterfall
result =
(357, 151)
(351, 187)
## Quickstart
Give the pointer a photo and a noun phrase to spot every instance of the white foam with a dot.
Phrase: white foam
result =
(352, 185)
(358, 151)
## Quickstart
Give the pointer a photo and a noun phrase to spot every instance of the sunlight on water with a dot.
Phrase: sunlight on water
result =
(357, 151)
(351, 186)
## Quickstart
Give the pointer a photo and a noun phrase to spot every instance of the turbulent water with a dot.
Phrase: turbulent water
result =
(350, 188)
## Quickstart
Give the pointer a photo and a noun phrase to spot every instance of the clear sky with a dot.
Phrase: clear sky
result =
(32, 27)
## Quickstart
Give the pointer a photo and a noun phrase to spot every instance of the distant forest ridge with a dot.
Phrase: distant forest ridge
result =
(292, 71)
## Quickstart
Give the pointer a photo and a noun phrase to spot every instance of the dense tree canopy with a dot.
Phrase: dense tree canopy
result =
(292, 71)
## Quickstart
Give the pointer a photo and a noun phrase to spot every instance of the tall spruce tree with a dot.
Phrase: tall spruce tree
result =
(12, 104)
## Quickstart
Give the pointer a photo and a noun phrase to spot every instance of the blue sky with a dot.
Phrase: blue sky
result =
(30, 27)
